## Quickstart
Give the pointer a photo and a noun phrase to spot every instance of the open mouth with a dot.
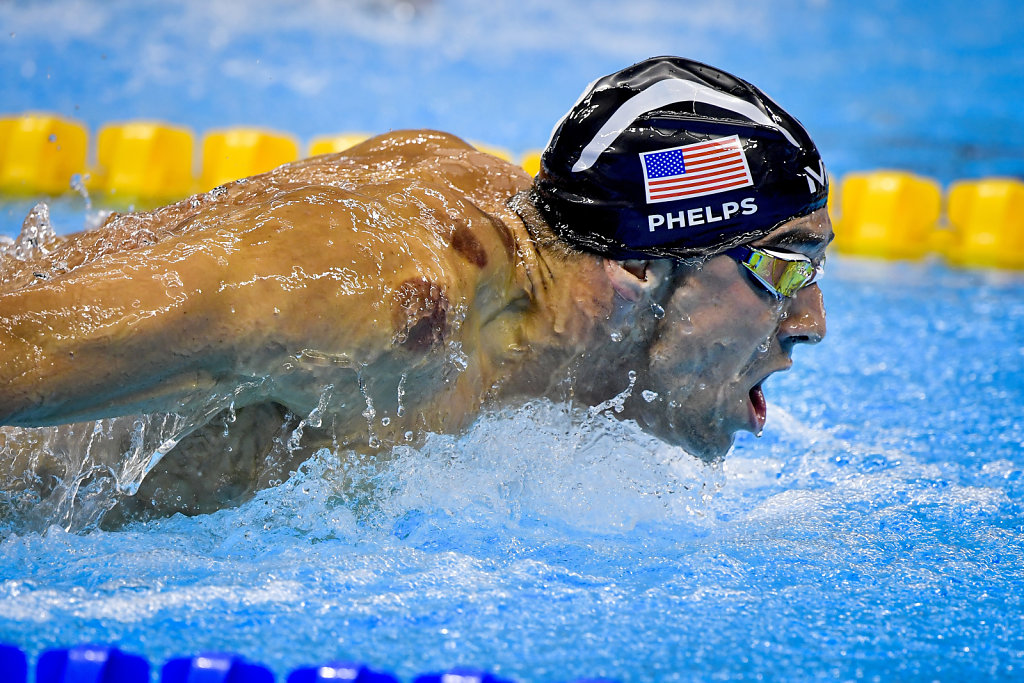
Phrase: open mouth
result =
(758, 409)
(758, 404)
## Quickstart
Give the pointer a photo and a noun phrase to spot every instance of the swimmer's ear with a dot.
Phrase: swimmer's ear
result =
(638, 280)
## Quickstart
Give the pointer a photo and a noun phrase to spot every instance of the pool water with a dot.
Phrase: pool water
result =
(875, 531)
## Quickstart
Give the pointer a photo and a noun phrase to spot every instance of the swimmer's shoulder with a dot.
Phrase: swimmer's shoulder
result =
(412, 145)
(426, 155)
(466, 190)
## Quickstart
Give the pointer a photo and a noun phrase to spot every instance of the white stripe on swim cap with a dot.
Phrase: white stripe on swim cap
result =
(662, 93)
(586, 91)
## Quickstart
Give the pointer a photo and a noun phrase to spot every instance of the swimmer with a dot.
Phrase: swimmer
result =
(666, 253)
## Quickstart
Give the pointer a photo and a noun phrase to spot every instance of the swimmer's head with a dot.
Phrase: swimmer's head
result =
(673, 158)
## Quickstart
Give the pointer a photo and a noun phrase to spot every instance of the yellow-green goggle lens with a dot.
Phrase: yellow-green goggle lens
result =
(782, 273)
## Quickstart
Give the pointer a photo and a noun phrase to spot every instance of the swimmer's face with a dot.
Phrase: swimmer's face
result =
(722, 335)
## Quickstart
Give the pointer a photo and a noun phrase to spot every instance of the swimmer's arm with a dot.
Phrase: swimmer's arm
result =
(132, 335)
(292, 296)
(226, 309)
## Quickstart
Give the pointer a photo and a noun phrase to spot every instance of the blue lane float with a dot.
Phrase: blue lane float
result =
(91, 664)
(340, 671)
(13, 664)
(219, 667)
(460, 676)
(108, 664)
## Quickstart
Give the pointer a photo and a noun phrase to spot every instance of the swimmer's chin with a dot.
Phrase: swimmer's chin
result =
(709, 448)
(710, 453)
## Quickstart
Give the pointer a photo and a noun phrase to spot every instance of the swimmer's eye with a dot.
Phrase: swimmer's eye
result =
(782, 273)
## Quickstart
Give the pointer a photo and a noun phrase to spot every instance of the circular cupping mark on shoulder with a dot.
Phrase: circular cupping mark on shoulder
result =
(466, 243)
(420, 314)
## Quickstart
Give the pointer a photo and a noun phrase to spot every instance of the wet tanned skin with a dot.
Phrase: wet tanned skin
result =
(323, 263)
(393, 280)
(393, 276)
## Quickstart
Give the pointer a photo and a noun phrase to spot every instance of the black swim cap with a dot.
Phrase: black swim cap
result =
(673, 158)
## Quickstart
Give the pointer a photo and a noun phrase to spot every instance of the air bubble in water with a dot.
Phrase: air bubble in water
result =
(649, 395)
(616, 336)
(658, 311)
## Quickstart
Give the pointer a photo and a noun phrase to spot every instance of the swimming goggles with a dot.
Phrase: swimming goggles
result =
(782, 273)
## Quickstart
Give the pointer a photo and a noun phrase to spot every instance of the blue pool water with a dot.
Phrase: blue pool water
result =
(874, 532)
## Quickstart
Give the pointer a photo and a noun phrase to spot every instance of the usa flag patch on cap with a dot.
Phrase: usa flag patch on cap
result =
(695, 170)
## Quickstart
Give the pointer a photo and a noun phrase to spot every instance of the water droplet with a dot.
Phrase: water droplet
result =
(37, 234)
(401, 395)
(617, 402)
(457, 358)
(385, 421)
(78, 182)
(684, 324)
(229, 418)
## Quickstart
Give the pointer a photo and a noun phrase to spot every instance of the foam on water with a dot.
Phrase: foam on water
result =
(548, 543)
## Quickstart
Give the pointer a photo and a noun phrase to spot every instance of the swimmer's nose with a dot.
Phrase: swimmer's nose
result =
(805, 319)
